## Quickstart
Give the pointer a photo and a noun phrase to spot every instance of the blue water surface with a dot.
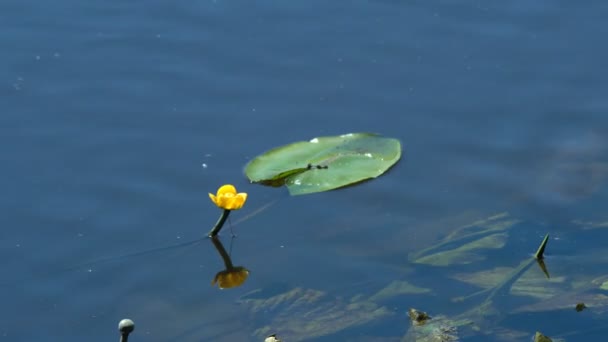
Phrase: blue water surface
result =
(118, 117)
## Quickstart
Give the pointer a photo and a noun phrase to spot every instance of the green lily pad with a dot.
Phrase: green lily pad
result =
(325, 163)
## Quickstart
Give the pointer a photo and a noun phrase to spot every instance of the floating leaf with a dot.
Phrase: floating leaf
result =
(325, 163)
(397, 288)
(306, 314)
(466, 253)
(529, 284)
(463, 242)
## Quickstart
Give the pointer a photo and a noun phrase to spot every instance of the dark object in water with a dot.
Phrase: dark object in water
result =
(580, 307)
(427, 329)
(418, 317)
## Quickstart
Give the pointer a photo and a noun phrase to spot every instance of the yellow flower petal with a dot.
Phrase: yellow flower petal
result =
(226, 189)
(227, 198)
(213, 198)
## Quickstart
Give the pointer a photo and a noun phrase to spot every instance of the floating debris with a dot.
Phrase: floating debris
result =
(580, 307)
(427, 329)
(538, 337)
(418, 317)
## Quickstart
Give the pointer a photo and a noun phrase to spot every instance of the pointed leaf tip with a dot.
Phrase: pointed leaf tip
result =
(541, 249)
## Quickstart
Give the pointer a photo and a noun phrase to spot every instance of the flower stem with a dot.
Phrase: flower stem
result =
(219, 224)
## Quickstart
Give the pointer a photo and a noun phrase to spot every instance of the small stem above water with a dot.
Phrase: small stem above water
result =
(541, 249)
(219, 224)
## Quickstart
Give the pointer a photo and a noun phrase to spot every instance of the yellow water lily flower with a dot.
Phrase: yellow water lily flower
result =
(232, 277)
(227, 198)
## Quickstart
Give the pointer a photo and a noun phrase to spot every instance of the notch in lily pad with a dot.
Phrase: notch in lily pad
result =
(325, 163)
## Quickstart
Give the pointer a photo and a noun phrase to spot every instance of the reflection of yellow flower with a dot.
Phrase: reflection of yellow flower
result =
(232, 277)
(228, 199)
